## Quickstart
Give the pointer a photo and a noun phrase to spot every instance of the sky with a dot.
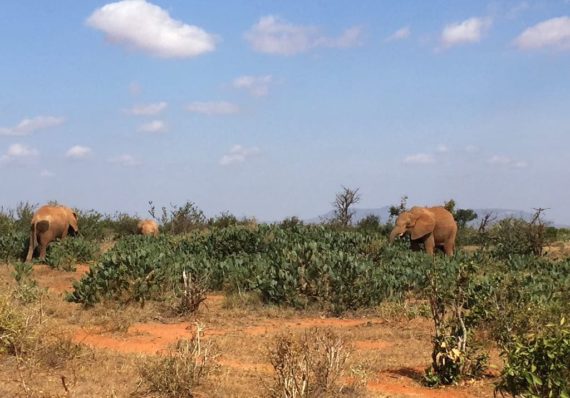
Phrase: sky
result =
(267, 108)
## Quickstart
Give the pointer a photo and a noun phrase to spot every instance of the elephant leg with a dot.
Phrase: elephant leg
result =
(449, 248)
(415, 245)
(429, 245)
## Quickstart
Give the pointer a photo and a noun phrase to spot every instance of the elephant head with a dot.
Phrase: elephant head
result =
(417, 223)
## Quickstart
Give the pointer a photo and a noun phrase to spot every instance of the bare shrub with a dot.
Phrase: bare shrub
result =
(182, 369)
(308, 366)
(194, 293)
(18, 329)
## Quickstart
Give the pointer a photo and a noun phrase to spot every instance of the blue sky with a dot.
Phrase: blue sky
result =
(265, 108)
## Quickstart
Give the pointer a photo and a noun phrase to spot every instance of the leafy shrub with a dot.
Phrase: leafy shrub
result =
(453, 358)
(308, 366)
(538, 365)
(179, 219)
(91, 224)
(182, 369)
(65, 253)
(515, 236)
(14, 245)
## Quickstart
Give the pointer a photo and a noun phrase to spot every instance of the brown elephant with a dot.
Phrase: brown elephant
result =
(48, 224)
(432, 226)
(147, 228)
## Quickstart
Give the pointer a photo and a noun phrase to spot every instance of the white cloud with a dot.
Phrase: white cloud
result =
(28, 126)
(273, 35)
(553, 33)
(400, 34)
(505, 161)
(238, 154)
(126, 160)
(156, 126)
(419, 158)
(147, 110)
(18, 153)
(257, 86)
(142, 25)
(213, 108)
(78, 152)
(469, 31)
(46, 173)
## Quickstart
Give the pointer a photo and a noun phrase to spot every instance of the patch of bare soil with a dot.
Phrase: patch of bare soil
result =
(56, 280)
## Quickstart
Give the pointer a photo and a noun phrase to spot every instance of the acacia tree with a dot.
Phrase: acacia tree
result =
(342, 205)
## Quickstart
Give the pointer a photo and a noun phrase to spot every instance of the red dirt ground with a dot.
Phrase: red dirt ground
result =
(156, 337)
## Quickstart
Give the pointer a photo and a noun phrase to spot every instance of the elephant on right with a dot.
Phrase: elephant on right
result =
(147, 228)
(433, 226)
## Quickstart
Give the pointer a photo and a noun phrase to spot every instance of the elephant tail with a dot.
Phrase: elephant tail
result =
(33, 242)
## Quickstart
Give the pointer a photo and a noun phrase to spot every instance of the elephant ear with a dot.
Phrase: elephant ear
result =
(424, 225)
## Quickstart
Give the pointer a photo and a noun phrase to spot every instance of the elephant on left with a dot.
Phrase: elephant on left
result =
(48, 224)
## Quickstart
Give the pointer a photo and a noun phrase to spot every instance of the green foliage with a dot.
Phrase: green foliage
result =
(512, 236)
(15, 231)
(27, 290)
(65, 253)
(91, 224)
(454, 356)
(370, 223)
(463, 216)
(179, 219)
(298, 266)
(538, 364)
(14, 245)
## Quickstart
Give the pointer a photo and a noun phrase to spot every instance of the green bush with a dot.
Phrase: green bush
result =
(14, 245)
(66, 253)
(538, 364)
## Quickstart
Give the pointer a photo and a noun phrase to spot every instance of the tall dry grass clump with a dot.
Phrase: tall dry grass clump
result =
(308, 366)
(177, 373)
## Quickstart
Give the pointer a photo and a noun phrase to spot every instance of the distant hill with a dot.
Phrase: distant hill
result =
(384, 214)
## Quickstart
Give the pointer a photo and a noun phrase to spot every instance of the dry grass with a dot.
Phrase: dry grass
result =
(179, 372)
(390, 347)
(309, 365)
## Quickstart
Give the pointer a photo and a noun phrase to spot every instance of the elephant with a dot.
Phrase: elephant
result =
(48, 224)
(147, 227)
(432, 226)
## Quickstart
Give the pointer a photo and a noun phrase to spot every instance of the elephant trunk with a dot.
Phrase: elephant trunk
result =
(396, 232)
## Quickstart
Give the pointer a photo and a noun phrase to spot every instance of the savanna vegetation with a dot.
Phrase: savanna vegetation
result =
(505, 290)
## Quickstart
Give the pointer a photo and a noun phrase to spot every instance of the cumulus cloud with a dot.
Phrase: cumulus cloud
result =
(257, 86)
(18, 153)
(238, 154)
(147, 110)
(144, 26)
(28, 126)
(469, 31)
(552, 33)
(506, 161)
(213, 108)
(273, 35)
(419, 158)
(156, 126)
(78, 152)
(125, 160)
(400, 34)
